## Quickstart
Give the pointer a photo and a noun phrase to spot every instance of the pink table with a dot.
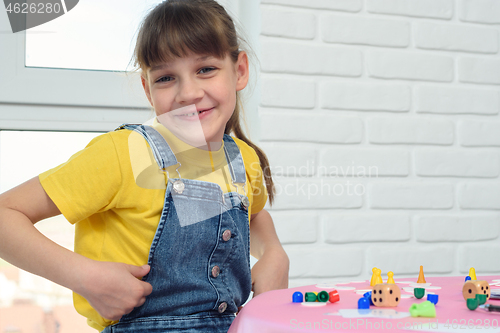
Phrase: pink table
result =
(274, 312)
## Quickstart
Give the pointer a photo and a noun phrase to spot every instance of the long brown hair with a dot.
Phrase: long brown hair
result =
(175, 28)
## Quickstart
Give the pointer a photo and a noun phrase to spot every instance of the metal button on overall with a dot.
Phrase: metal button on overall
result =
(245, 202)
(215, 271)
(178, 186)
(222, 307)
(226, 235)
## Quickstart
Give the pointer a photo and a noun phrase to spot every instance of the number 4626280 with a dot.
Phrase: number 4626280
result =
(33, 8)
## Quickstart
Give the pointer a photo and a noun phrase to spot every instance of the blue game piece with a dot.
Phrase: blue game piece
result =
(369, 296)
(467, 278)
(433, 298)
(363, 303)
(297, 297)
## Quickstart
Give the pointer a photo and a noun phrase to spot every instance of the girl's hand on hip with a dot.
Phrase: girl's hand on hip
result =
(114, 289)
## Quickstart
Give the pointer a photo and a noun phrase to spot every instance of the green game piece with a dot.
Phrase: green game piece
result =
(481, 298)
(323, 296)
(311, 297)
(419, 292)
(424, 309)
(472, 303)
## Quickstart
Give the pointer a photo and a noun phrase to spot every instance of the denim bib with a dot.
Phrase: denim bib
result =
(199, 258)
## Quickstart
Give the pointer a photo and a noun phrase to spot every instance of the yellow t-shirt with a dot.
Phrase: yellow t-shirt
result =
(113, 192)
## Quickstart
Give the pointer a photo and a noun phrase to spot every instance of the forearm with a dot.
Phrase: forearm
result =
(271, 271)
(25, 247)
(264, 238)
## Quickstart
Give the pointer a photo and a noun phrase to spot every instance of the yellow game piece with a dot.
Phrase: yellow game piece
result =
(390, 278)
(378, 276)
(472, 273)
(421, 278)
(372, 281)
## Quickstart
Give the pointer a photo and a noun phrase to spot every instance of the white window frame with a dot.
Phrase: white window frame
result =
(80, 100)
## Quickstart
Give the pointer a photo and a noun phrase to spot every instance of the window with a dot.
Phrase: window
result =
(39, 92)
(94, 35)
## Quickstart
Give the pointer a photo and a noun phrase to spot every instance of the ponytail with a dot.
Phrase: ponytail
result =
(234, 126)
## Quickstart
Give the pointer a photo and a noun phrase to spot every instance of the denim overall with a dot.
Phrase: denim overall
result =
(199, 258)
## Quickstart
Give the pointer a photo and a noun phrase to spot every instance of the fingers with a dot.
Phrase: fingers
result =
(148, 289)
(141, 301)
(138, 271)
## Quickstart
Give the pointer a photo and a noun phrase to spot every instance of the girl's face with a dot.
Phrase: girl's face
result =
(194, 96)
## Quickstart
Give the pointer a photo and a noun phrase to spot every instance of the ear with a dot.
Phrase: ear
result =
(145, 85)
(242, 71)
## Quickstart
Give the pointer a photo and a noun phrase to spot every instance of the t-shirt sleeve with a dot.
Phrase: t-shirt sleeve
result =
(88, 183)
(255, 176)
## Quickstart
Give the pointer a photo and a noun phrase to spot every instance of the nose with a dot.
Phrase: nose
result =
(189, 92)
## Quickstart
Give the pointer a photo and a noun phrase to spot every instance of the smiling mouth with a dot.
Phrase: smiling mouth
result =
(191, 114)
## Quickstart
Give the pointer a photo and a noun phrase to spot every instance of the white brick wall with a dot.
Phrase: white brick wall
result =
(456, 38)
(381, 122)
(449, 100)
(478, 70)
(480, 11)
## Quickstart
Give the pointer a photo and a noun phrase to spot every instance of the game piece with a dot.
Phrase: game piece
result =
(334, 296)
(297, 297)
(472, 274)
(433, 298)
(424, 309)
(363, 303)
(386, 294)
(421, 278)
(472, 303)
(323, 296)
(471, 288)
(390, 278)
(378, 276)
(369, 295)
(467, 278)
(481, 298)
(374, 271)
(311, 297)
(419, 292)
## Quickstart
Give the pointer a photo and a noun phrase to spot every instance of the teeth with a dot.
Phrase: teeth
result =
(190, 114)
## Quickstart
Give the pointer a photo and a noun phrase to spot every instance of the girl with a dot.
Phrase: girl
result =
(163, 213)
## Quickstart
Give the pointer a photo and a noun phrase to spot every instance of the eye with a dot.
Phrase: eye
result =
(164, 79)
(206, 70)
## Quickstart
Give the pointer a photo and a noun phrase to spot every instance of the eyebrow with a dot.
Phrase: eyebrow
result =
(165, 65)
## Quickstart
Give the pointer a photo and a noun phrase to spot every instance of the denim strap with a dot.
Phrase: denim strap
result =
(234, 160)
(161, 150)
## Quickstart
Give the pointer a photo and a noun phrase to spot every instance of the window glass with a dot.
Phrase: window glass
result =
(94, 35)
